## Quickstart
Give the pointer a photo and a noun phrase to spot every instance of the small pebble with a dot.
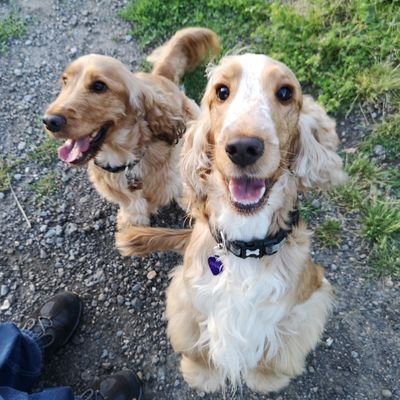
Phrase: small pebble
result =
(386, 393)
(151, 275)
(6, 305)
(4, 289)
(21, 145)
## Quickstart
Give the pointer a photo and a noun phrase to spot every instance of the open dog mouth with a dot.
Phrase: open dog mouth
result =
(82, 150)
(248, 194)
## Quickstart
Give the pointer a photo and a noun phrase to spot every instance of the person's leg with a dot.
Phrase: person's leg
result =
(61, 393)
(49, 327)
(124, 385)
(21, 358)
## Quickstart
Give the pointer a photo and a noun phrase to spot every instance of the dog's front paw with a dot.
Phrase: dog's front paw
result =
(266, 381)
(125, 221)
(200, 376)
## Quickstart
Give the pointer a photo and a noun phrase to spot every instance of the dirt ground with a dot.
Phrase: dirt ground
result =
(70, 243)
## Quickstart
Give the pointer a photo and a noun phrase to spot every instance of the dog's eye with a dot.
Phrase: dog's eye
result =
(64, 80)
(284, 94)
(222, 92)
(98, 87)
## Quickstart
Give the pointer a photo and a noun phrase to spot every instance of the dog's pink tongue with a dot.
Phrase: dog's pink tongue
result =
(245, 190)
(71, 150)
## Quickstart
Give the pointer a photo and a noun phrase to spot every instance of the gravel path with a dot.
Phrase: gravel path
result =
(70, 245)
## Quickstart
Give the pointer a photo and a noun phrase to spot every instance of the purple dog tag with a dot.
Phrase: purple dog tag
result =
(215, 265)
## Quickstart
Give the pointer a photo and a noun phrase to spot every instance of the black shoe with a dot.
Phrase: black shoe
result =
(124, 385)
(55, 322)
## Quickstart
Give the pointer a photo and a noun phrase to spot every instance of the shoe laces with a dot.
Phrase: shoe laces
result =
(40, 327)
(91, 394)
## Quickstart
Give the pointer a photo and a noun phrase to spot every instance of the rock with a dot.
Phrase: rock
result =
(151, 275)
(104, 354)
(70, 228)
(21, 146)
(386, 393)
(73, 51)
(316, 203)
(2, 195)
(17, 72)
(379, 150)
(4, 289)
(58, 230)
(17, 177)
(120, 300)
(6, 305)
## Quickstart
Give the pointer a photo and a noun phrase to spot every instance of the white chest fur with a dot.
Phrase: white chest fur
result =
(243, 308)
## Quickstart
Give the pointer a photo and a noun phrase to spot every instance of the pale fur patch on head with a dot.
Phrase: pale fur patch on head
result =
(250, 99)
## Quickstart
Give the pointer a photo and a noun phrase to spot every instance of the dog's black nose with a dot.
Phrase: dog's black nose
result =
(245, 151)
(54, 122)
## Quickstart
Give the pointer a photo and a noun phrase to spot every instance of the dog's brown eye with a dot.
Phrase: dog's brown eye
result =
(64, 80)
(284, 94)
(222, 92)
(98, 87)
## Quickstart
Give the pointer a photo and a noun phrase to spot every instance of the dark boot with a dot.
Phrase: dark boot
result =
(55, 322)
(124, 385)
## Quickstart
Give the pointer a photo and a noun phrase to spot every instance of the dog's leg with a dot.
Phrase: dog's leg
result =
(134, 213)
(183, 331)
(199, 374)
(304, 327)
(265, 380)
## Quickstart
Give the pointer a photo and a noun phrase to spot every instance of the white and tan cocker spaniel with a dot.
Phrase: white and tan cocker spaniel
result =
(248, 304)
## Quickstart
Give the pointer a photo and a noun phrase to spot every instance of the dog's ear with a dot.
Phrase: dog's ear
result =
(195, 160)
(317, 165)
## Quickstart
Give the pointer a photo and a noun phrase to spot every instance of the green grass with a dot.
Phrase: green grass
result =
(5, 169)
(385, 258)
(307, 210)
(329, 232)
(346, 53)
(375, 192)
(381, 220)
(386, 135)
(46, 186)
(46, 152)
(11, 26)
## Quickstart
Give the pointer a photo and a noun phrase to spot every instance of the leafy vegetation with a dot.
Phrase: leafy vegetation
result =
(11, 26)
(329, 232)
(5, 169)
(46, 186)
(343, 51)
(346, 53)
(46, 152)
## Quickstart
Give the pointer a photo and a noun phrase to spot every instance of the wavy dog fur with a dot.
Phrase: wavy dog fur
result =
(257, 143)
(111, 118)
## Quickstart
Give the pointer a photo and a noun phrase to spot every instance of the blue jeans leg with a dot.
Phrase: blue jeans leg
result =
(62, 393)
(21, 358)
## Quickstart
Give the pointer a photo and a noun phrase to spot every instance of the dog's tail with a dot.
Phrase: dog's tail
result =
(142, 240)
(187, 49)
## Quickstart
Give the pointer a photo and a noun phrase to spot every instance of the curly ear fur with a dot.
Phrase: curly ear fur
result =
(317, 164)
(195, 161)
(163, 118)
